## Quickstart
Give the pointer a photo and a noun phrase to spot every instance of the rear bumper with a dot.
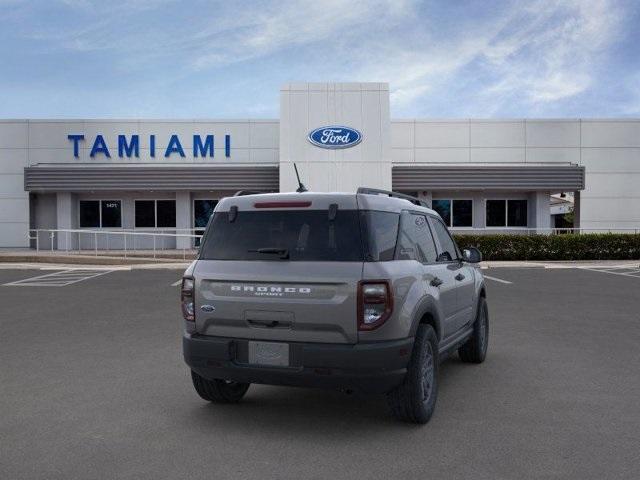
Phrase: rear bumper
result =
(365, 367)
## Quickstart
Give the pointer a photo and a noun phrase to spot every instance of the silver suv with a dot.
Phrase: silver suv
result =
(359, 292)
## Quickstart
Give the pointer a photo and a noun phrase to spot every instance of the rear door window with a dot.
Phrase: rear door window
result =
(415, 241)
(304, 235)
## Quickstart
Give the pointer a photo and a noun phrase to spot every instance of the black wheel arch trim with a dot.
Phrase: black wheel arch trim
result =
(427, 306)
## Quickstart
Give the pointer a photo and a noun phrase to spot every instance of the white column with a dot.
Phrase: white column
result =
(183, 219)
(362, 106)
(540, 211)
(66, 210)
(479, 210)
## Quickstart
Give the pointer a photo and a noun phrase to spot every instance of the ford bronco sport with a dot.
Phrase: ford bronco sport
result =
(358, 292)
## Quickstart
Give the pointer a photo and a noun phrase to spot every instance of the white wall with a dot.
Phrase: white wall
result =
(26, 143)
(611, 155)
(485, 141)
(14, 201)
(609, 150)
(307, 106)
(252, 141)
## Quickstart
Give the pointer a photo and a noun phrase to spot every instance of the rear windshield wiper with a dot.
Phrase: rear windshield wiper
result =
(282, 252)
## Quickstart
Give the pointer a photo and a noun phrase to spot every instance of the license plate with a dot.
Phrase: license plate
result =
(269, 353)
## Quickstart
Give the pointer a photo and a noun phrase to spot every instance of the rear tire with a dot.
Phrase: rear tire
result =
(415, 399)
(219, 391)
(474, 350)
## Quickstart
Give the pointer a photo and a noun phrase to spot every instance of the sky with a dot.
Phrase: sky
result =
(228, 59)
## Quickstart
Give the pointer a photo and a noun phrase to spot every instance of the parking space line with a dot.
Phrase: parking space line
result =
(610, 271)
(59, 279)
(175, 284)
(499, 280)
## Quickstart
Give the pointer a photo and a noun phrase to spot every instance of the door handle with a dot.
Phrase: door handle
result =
(436, 282)
(459, 277)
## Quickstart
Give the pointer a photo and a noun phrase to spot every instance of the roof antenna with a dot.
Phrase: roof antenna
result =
(301, 188)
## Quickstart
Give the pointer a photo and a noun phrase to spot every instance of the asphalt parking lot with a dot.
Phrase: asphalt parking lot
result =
(93, 386)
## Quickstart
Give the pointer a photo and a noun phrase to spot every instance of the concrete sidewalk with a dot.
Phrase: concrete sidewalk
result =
(560, 264)
(18, 258)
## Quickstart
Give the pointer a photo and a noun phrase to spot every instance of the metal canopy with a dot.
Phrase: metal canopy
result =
(70, 178)
(491, 177)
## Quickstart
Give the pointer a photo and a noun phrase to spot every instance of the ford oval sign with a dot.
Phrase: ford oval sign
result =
(335, 136)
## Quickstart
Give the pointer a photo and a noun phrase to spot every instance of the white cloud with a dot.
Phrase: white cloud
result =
(536, 53)
(544, 53)
(255, 33)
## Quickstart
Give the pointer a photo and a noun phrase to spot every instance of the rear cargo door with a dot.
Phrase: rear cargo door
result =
(282, 301)
(281, 269)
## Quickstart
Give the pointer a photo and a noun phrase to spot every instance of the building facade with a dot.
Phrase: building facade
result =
(167, 175)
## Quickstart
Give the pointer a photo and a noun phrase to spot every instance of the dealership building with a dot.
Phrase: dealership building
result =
(167, 175)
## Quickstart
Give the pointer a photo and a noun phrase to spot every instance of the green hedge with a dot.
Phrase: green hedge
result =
(586, 246)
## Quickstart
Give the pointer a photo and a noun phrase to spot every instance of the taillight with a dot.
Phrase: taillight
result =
(375, 303)
(186, 299)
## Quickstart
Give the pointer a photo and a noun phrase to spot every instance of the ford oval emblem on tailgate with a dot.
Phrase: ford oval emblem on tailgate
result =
(207, 308)
(335, 136)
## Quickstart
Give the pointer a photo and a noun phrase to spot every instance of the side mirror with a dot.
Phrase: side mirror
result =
(471, 255)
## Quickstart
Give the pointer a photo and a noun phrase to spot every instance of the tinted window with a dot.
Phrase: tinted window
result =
(415, 241)
(517, 213)
(448, 250)
(145, 213)
(166, 213)
(202, 210)
(496, 213)
(111, 213)
(90, 214)
(380, 231)
(462, 213)
(443, 207)
(306, 235)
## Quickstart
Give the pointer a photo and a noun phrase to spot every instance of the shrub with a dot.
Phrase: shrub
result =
(586, 246)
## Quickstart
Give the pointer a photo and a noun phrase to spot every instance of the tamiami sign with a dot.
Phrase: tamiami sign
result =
(129, 146)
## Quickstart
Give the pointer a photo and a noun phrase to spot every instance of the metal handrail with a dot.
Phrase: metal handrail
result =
(66, 233)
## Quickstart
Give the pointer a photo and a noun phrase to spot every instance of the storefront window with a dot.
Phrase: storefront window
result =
(155, 213)
(455, 213)
(462, 213)
(443, 207)
(507, 213)
(90, 214)
(111, 212)
(496, 213)
(166, 214)
(100, 214)
(517, 213)
(145, 214)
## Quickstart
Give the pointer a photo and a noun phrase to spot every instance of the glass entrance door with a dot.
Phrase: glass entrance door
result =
(202, 211)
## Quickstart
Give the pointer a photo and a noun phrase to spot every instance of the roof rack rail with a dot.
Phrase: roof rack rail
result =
(242, 193)
(389, 193)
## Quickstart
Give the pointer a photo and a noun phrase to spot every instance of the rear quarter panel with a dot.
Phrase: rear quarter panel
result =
(406, 277)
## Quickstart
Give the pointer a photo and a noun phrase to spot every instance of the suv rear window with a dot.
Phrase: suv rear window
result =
(306, 235)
